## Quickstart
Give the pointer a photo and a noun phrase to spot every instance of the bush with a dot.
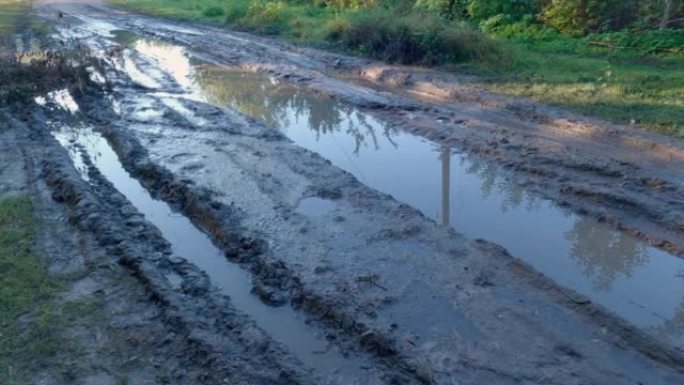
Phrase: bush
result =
(267, 11)
(336, 29)
(236, 10)
(525, 29)
(214, 12)
(412, 39)
(460, 44)
(267, 17)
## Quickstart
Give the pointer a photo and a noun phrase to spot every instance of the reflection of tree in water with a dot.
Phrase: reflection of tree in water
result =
(604, 253)
(492, 183)
(250, 94)
(274, 103)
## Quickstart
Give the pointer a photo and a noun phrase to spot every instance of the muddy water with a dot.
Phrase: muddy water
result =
(282, 323)
(638, 282)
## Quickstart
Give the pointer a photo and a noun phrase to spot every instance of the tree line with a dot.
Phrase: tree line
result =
(574, 17)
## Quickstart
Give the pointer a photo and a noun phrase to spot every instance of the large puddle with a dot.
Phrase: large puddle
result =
(283, 324)
(638, 282)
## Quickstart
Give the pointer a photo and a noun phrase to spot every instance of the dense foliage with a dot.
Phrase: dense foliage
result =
(577, 17)
(432, 31)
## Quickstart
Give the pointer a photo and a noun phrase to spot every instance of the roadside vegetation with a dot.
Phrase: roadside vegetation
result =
(35, 322)
(617, 59)
(15, 16)
(10, 12)
(29, 328)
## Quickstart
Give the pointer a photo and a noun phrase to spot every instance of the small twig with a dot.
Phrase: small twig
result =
(371, 279)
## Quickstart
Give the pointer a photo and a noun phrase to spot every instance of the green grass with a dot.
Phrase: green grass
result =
(625, 87)
(296, 21)
(12, 14)
(629, 86)
(26, 316)
(32, 322)
(9, 11)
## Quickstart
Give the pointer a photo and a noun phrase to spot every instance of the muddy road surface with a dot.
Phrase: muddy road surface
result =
(280, 215)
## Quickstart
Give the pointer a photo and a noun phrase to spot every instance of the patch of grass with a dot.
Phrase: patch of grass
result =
(28, 321)
(12, 15)
(10, 10)
(33, 321)
(188, 9)
(214, 12)
(623, 86)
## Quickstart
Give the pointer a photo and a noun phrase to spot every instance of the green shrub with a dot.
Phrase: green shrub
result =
(527, 28)
(236, 10)
(267, 11)
(460, 44)
(414, 38)
(336, 28)
(267, 17)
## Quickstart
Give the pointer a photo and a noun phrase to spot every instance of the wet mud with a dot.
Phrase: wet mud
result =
(299, 217)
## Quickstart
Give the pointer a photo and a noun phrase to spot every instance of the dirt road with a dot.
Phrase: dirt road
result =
(264, 259)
